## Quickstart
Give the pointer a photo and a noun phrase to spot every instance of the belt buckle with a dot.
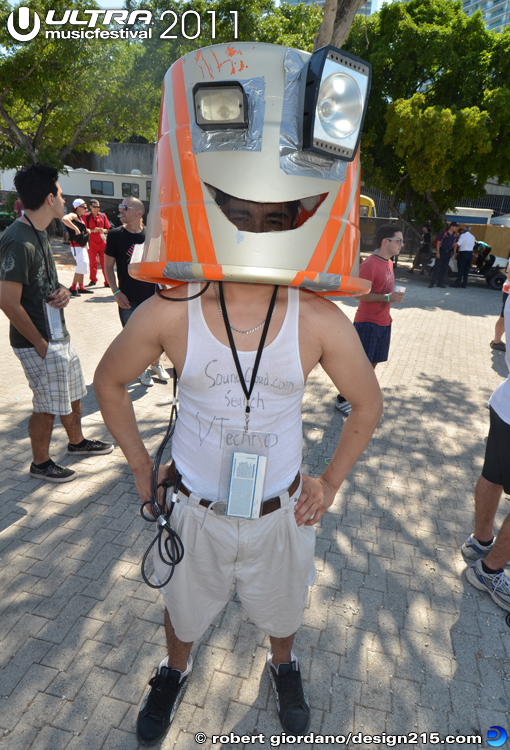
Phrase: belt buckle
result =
(220, 508)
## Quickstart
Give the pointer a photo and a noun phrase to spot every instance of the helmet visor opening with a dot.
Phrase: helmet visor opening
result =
(255, 217)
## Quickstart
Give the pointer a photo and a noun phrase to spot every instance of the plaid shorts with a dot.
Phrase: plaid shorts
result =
(57, 380)
(375, 340)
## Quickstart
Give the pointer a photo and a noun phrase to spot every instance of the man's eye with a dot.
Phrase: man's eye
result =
(237, 220)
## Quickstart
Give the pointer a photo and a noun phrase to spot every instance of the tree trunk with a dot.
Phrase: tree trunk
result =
(337, 21)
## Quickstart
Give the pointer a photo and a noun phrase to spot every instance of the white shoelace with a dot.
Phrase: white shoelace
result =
(500, 581)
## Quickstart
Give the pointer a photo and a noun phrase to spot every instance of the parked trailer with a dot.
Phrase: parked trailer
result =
(108, 187)
(99, 185)
(468, 215)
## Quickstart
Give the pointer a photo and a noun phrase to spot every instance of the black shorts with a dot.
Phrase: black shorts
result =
(496, 467)
(505, 295)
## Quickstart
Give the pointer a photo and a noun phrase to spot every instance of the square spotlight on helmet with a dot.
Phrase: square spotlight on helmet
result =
(335, 101)
(220, 105)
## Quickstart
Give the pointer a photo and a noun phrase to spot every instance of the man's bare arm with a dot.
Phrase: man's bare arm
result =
(373, 297)
(10, 304)
(67, 221)
(120, 297)
(345, 362)
(129, 355)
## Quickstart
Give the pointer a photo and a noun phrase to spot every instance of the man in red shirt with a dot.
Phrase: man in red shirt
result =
(18, 207)
(99, 225)
(373, 320)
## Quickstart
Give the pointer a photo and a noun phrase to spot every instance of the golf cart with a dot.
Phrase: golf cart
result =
(6, 219)
(484, 265)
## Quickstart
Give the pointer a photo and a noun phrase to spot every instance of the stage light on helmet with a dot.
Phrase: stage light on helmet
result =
(336, 95)
(218, 107)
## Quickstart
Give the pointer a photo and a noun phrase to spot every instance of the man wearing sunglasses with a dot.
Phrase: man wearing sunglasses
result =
(373, 320)
(129, 293)
(98, 225)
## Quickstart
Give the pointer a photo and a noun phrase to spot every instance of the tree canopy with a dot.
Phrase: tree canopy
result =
(60, 96)
(438, 119)
(63, 96)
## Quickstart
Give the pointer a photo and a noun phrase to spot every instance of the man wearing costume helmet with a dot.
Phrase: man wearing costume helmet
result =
(254, 216)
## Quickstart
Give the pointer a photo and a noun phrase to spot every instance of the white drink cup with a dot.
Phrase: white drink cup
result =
(401, 289)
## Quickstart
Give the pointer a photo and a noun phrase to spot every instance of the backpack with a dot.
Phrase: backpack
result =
(88, 215)
(79, 239)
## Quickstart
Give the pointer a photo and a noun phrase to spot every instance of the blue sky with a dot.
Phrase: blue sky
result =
(110, 4)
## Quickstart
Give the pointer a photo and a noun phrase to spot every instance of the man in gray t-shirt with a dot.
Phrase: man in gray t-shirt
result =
(33, 300)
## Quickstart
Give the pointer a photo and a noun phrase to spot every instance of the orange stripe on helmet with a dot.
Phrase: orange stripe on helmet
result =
(329, 236)
(345, 255)
(173, 228)
(192, 185)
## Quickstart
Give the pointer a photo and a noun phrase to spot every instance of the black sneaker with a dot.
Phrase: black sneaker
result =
(51, 472)
(90, 448)
(92, 283)
(291, 704)
(159, 705)
(74, 293)
(85, 291)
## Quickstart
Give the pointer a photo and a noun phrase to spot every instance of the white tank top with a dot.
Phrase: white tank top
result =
(211, 398)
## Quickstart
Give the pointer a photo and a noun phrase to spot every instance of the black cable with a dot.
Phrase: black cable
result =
(183, 299)
(170, 548)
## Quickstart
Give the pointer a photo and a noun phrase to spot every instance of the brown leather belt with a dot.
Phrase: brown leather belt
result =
(268, 506)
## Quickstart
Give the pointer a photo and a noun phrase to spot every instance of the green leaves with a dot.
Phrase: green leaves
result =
(439, 110)
(59, 96)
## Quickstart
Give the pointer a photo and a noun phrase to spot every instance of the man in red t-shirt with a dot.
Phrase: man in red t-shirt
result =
(99, 225)
(18, 207)
(373, 320)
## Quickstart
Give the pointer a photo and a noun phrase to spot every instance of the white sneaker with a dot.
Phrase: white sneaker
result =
(145, 378)
(160, 372)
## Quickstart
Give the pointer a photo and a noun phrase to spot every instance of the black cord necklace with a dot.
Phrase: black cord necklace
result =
(247, 391)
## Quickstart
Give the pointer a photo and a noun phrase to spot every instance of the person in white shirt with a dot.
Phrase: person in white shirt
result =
(463, 251)
(486, 554)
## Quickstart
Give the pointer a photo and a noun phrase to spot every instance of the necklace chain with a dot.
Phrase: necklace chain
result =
(250, 330)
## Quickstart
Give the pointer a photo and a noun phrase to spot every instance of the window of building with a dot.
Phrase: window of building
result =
(130, 189)
(148, 185)
(101, 187)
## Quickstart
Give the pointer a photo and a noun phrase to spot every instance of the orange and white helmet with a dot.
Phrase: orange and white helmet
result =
(256, 174)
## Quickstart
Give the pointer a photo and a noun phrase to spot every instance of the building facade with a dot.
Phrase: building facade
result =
(495, 12)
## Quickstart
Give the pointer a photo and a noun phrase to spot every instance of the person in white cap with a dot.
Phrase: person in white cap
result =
(78, 237)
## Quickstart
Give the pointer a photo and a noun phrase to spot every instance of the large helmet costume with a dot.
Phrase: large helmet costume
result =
(267, 132)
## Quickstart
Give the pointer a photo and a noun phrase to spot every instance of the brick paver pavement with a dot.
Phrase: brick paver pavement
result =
(394, 639)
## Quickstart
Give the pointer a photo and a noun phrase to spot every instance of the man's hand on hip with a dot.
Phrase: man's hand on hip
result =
(315, 498)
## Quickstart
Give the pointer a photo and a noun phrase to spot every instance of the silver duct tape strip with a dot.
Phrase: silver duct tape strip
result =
(182, 271)
(235, 140)
(293, 160)
(324, 282)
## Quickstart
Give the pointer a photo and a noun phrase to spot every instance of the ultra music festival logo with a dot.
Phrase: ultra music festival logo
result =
(25, 24)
